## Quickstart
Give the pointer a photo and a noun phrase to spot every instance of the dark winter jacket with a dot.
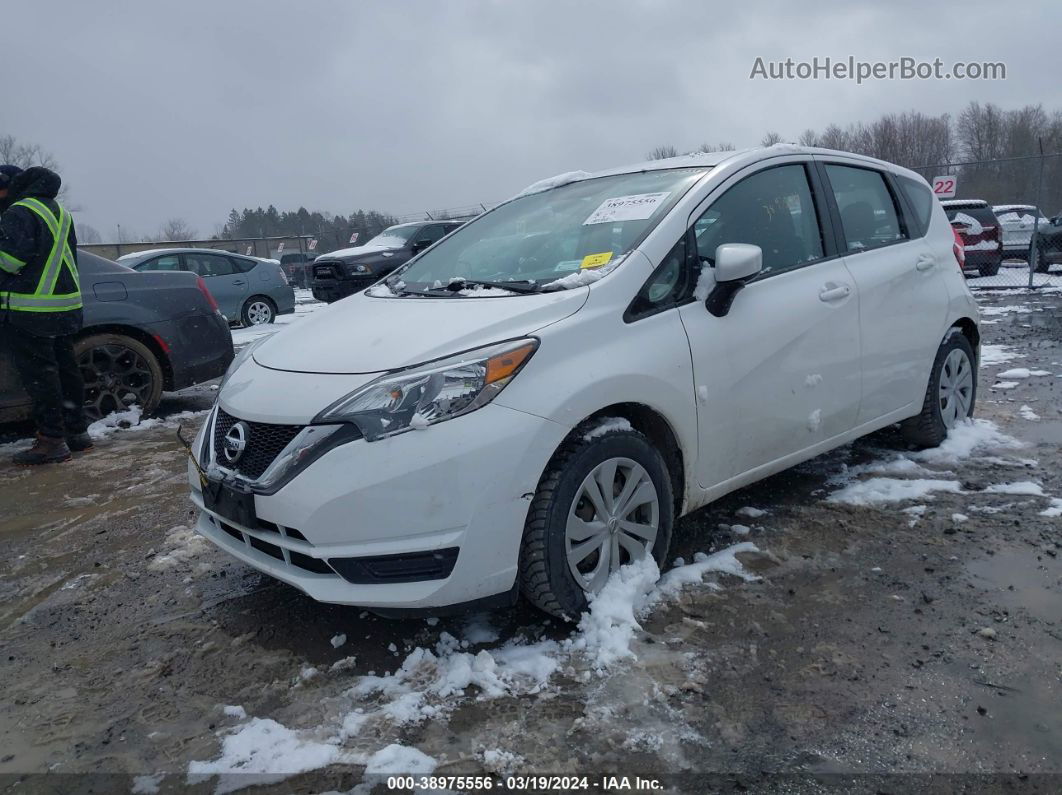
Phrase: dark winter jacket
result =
(26, 241)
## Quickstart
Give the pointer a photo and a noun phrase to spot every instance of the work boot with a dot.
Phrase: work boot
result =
(79, 442)
(45, 450)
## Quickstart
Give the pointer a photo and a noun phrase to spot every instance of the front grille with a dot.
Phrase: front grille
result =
(298, 560)
(264, 443)
(324, 272)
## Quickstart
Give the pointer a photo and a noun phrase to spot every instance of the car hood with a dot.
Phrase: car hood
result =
(356, 251)
(363, 334)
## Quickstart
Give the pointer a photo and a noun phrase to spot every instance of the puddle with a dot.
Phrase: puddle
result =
(1018, 581)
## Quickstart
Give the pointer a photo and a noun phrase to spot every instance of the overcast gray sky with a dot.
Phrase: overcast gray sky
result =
(189, 108)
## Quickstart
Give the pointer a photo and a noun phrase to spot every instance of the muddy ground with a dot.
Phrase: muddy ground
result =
(876, 642)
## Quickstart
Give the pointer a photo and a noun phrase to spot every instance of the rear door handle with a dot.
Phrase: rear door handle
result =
(925, 262)
(834, 292)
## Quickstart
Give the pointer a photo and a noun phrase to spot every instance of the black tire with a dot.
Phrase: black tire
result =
(119, 372)
(545, 578)
(990, 269)
(928, 428)
(253, 306)
(1040, 259)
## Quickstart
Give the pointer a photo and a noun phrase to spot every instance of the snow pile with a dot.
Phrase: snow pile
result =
(1004, 384)
(607, 425)
(262, 752)
(997, 354)
(584, 276)
(431, 683)
(133, 419)
(1026, 487)
(567, 178)
(875, 491)
(1027, 413)
(917, 479)
(1021, 372)
(187, 544)
(965, 439)
(396, 759)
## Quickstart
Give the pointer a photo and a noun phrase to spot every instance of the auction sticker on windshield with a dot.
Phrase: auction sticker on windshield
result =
(595, 260)
(637, 207)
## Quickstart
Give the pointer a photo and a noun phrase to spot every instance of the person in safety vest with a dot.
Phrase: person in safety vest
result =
(40, 309)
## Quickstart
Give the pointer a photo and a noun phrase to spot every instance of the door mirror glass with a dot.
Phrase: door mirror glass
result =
(420, 245)
(737, 262)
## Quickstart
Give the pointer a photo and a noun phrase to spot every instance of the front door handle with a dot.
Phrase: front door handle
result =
(925, 262)
(834, 292)
(240, 283)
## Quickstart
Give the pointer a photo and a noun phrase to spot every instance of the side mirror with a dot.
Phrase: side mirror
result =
(420, 245)
(735, 264)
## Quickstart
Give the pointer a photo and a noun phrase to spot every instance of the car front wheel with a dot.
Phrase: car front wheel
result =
(603, 502)
(951, 393)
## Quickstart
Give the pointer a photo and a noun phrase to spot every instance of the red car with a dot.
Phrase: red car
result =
(980, 232)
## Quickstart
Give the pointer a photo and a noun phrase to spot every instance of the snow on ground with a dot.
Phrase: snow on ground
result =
(305, 304)
(431, 684)
(997, 354)
(131, 420)
(1021, 372)
(918, 476)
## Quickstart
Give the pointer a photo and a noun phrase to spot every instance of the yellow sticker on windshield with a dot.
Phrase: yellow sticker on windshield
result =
(595, 260)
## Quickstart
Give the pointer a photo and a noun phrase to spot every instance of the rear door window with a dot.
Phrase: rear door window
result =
(169, 262)
(207, 265)
(869, 216)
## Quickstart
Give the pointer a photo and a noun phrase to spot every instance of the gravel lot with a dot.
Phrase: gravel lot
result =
(853, 638)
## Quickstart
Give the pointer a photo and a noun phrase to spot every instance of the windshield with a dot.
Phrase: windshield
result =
(535, 241)
(394, 237)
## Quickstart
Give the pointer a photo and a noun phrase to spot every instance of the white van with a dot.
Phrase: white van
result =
(534, 400)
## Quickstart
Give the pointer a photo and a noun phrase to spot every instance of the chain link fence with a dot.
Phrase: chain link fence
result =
(1008, 213)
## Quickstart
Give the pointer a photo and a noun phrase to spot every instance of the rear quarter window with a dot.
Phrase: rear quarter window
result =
(920, 198)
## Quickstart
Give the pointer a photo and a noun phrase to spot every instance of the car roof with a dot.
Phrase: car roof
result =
(705, 160)
(138, 255)
(1005, 207)
(970, 203)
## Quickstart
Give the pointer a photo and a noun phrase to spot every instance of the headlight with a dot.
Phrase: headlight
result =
(431, 393)
(239, 359)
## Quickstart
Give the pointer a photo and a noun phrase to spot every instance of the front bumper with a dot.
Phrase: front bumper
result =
(331, 290)
(464, 484)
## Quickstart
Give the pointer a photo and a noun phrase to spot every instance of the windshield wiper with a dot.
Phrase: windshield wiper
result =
(518, 286)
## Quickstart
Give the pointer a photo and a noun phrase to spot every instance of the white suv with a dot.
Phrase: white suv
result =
(534, 400)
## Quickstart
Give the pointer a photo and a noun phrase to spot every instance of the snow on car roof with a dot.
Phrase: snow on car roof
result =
(136, 254)
(693, 160)
(963, 203)
(1005, 207)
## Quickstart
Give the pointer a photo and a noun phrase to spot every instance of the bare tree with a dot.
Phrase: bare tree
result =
(808, 138)
(22, 154)
(770, 139)
(176, 229)
(723, 146)
(87, 234)
(662, 153)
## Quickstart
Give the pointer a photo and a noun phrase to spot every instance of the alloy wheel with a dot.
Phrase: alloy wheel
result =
(614, 519)
(956, 387)
(259, 313)
(116, 377)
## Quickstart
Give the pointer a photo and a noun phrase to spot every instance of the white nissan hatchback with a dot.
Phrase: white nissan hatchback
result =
(534, 400)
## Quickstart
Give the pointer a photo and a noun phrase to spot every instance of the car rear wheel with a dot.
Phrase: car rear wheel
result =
(991, 269)
(258, 311)
(602, 503)
(1040, 259)
(119, 372)
(950, 396)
